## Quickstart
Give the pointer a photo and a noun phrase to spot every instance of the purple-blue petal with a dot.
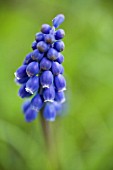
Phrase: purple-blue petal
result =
(49, 94)
(52, 54)
(45, 64)
(46, 79)
(49, 112)
(60, 83)
(32, 85)
(32, 69)
(58, 20)
(37, 55)
(30, 115)
(37, 102)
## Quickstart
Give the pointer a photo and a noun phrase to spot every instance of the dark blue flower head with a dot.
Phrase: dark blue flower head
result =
(41, 75)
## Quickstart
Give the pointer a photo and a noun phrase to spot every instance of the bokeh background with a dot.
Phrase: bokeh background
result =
(83, 135)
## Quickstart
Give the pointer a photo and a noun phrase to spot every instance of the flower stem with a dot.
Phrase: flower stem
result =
(46, 132)
(50, 143)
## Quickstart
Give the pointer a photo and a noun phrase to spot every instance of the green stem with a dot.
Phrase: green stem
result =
(50, 143)
(46, 132)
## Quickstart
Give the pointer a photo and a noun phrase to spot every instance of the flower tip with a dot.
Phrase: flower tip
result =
(58, 20)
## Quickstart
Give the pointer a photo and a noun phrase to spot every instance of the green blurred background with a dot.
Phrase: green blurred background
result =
(83, 138)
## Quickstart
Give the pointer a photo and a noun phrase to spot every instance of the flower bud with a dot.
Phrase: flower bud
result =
(46, 79)
(25, 106)
(22, 80)
(58, 20)
(34, 45)
(52, 54)
(32, 85)
(59, 97)
(59, 46)
(37, 102)
(23, 93)
(49, 112)
(45, 64)
(59, 34)
(32, 69)
(28, 59)
(21, 72)
(42, 46)
(60, 83)
(49, 38)
(45, 28)
(36, 55)
(30, 115)
(62, 69)
(58, 107)
(39, 37)
(49, 94)
(60, 58)
(56, 68)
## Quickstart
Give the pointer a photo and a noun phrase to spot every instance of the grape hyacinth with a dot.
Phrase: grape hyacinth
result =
(41, 74)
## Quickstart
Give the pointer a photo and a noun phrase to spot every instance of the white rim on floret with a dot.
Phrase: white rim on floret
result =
(49, 100)
(45, 86)
(29, 90)
(18, 78)
(62, 89)
(63, 100)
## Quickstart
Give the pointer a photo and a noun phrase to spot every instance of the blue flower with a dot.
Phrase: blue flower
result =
(22, 92)
(58, 20)
(36, 55)
(60, 83)
(58, 107)
(39, 37)
(37, 102)
(26, 105)
(52, 54)
(28, 59)
(34, 45)
(32, 69)
(60, 58)
(32, 85)
(21, 72)
(46, 79)
(49, 112)
(21, 80)
(49, 94)
(45, 28)
(60, 97)
(41, 75)
(56, 68)
(59, 34)
(59, 45)
(49, 38)
(45, 64)
(42, 46)
(30, 115)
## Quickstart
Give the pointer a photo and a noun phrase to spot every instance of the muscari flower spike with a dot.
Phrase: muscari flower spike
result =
(41, 74)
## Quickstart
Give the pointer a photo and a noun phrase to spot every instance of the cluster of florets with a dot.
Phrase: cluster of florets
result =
(40, 76)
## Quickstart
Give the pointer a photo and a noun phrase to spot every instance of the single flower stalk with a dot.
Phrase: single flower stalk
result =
(41, 74)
